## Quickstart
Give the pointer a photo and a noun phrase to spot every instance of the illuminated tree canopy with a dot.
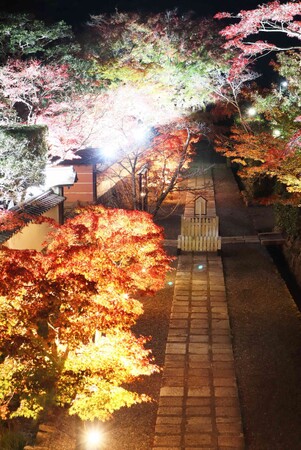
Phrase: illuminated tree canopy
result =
(269, 143)
(66, 315)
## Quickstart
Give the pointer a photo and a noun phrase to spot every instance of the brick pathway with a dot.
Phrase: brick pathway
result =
(198, 405)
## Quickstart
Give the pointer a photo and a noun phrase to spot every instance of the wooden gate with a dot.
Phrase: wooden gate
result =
(199, 234)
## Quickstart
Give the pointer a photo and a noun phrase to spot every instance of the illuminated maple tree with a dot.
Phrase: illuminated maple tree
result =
(271, 18)
(28, 86)
(22, 37)
(164, 162)
(23, 167)
(171, 52)
(67, 312)
(270, 144)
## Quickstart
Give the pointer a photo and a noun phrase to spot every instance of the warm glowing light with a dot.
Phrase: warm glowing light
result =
(252, 111)
(93, 438)
(276, 133)
(110, 150)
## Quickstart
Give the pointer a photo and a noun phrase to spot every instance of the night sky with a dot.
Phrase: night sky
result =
(77, 11)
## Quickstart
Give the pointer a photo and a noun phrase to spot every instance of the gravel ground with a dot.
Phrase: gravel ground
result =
(266, 327)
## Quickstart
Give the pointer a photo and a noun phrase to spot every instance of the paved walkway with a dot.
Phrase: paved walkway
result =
(198, 405)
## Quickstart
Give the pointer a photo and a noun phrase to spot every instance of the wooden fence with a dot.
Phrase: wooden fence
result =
(199, 234)
(199, 226)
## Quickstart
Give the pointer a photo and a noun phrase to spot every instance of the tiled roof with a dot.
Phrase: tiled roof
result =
(34, 207)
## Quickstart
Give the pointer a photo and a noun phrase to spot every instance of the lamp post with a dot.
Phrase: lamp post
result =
(283, 86)
(143, 191)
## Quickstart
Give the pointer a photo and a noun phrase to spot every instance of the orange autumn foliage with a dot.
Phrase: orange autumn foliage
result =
(66, 315)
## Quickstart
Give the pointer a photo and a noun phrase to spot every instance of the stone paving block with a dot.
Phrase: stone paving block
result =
(173, 381)
(199, 401)
(195, 381)
(220, 332)
(202, 447)
(196, 358)
(169, 420)
(202, 338)
(178, 332)
(205, 364)
(225, 391)
(170, 411)
(178, 323)
(222, 357)
(171, 391)
(203, 391)
(179, 315)
(177, 339)
(197, 323)
(198, 411)
(170, 401)
(229, 382)
(198, 372)
(170, 439)
(170, 428)
(231, 441)
(200, 420)
(220, 324)
(200, 315)
(221, 346)
(222, 351)
(174, 360)
(197, 439)
(224, 338)
(227, 411)
(171, 372)
(198, 348)
(218, 315)
(223, 365)
(199, 330)
(180, 308)
(226, 401)
(176, 348)
(199, 428)
(167, 448)
(234, 428)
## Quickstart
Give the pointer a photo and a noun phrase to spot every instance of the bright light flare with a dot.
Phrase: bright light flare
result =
(140, 134)
(93, 438)
(110, 150)
(276, 133)
(252, 111)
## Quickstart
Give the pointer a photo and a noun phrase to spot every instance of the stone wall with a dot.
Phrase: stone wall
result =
(292, 253)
